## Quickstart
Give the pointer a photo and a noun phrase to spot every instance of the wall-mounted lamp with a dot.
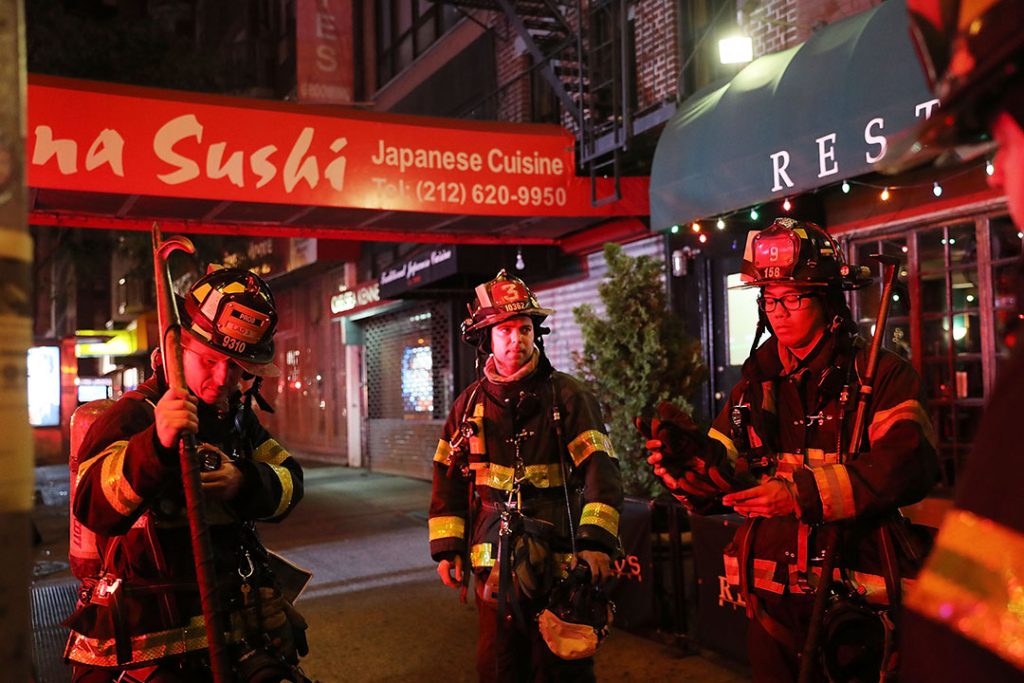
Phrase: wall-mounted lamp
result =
(737, 49)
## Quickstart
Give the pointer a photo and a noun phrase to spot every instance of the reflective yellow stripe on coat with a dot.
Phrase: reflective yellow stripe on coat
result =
(604, 516)
(272, 454)
(884, 420)
(449, 526)
(973, 583)
(501, 477)
(836, 491)
(116, 489)
(588, 443)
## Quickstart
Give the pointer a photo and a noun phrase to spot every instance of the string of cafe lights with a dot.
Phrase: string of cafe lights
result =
(885, 193)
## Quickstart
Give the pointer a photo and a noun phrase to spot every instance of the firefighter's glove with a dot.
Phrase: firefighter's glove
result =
(271, 618)
(684, 458)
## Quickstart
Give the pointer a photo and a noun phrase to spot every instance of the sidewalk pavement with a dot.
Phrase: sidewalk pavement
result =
(376, 610)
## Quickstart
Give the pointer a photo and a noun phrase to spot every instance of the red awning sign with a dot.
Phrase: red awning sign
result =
(101, 138)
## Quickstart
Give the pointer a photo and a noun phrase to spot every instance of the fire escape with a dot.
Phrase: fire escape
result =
(585, 64)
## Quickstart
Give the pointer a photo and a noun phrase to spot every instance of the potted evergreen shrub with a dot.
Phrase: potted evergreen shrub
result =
(635, 355)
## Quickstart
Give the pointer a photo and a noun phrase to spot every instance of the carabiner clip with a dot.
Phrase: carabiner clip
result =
(248, 560)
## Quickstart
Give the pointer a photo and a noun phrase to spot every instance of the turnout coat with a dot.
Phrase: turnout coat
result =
(129, 492)
(797, 421)
(499, 412)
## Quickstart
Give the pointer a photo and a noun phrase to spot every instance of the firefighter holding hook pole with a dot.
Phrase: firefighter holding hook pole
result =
(783, 453)
(171, 479)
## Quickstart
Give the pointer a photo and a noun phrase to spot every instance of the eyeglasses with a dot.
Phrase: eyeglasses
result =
(790, 302)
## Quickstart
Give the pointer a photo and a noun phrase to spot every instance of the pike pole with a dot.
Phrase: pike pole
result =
(864, 396)
(195, 504)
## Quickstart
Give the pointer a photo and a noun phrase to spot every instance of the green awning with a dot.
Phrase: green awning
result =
(792, 121)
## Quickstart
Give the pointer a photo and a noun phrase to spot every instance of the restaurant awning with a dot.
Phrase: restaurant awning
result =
(791, 121)
(119, 157)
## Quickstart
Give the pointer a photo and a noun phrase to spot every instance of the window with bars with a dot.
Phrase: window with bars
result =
(408, 369)
(405, 29)
(952, 311)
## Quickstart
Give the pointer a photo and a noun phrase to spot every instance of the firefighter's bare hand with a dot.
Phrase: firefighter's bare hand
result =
(774, 498)
(223, 483)
(450, 572)
(175, 414)
(600, 564)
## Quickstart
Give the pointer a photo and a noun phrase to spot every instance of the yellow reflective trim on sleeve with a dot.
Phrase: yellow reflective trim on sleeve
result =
(285, 477)
(449, 526)
(588, 443)
(270, 452)
(501, 478)
(443, 454)
(836, 492)
(730, 447)
(83, 467)
(604, 516)
(477, 442)
(116, 489)
(884, 420)
(482, 555)
(973, 583)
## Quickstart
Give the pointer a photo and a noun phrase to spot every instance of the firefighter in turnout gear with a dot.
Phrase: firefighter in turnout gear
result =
(139, 616)
(964, 619)
(523, 474)
(776, 455)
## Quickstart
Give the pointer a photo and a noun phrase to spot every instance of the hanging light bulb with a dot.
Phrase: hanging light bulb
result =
(936, 189)
(846, 187)
(885, 195)
(754, 215)
(787, 205)
(990, 168)
(720, 224)
(520, 263)
(695, 226)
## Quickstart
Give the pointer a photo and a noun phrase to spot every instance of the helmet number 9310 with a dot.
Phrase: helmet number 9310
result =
(234, 344)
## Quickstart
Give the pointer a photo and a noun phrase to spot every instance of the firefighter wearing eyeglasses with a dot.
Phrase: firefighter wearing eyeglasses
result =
(775, 454)
(965, 617)
(523, 474)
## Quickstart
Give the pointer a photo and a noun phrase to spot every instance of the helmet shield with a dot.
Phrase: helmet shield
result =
(969, 50)
(233, 311)
(504, 297)
(577, 617)
(796, 253)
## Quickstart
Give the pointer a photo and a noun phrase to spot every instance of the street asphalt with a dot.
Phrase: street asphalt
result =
(376, 609)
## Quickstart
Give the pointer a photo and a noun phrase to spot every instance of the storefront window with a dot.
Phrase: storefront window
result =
(1005, 240)
(408, 372)
(741, 314)
(417, 379)
(867, 299)
(959, 323)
